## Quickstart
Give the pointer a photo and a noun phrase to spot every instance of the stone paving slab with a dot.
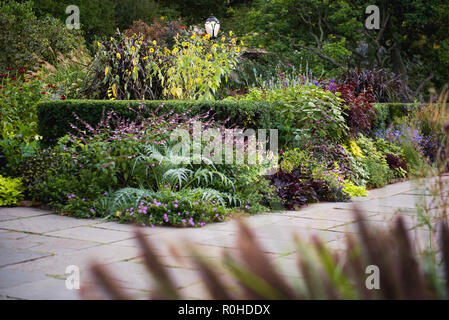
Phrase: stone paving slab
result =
(92, 234)
(12, 278)
(382, 225)
(48, 289)
(11, 235)
(44, 224)
(52, 245)
(16, 213)
(56, 265)
(10, 256)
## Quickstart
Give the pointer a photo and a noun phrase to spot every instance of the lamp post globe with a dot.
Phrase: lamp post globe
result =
(212, 26)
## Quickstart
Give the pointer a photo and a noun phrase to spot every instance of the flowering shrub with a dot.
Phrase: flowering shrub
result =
(19, 96)
(106, 156)
(188, 207)
(408, 134)
(135, 67)
(127, 68)
(199, 64)
(18, 121)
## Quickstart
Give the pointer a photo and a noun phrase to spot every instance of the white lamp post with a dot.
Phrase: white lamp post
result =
(212, 26)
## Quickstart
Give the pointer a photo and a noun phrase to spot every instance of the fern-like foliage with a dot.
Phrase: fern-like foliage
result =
(162, 168)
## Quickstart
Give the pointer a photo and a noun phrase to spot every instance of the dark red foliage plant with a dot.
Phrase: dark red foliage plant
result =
(385, 86)
(361, 114)
(298, 187)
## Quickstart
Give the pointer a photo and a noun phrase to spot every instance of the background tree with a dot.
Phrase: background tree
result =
(25, 38)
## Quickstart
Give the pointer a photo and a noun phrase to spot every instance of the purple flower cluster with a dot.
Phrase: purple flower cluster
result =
(176, 212)
(426, 145)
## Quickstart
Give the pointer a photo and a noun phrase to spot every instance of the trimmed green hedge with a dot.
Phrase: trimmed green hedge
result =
(55, 117)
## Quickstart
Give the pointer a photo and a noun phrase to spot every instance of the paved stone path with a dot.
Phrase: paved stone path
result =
(36, 246)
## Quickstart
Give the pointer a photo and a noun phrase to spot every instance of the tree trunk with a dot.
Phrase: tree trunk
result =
(400, 69)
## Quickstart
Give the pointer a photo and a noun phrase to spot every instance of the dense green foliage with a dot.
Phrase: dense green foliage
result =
(24, 38)
(330, 36)
(303, 111)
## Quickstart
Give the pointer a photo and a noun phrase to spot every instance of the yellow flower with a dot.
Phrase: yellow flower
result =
(230, 33)
(237, 49)
(162, 18)
(99, 44)
(209, 56)
(215, 45)
(119, 55)
(145, 58)
(175, 50)
(223, 39)
(233, 40)
(106, 70)
(151, 50)
(192, 37)
(133, 48)
(140, 42)
(154, 42)
(118, 213)
(241, 43)
(114, 90)
(112, 39)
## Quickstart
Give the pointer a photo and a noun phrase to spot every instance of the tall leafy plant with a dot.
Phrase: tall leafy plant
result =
(200, 64)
